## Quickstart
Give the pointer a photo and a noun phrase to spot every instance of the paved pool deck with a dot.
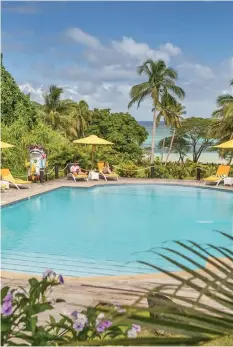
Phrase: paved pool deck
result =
(79, 292)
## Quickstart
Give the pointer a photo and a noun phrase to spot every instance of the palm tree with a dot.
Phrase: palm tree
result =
(160, 86)
(225, 103)
(172, 117)
(222, 127)
(55, 109)
(80, 116)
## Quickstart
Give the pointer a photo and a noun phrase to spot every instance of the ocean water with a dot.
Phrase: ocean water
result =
(105, 230)
(161, 132)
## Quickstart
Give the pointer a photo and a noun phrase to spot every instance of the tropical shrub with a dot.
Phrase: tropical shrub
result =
(20, 318)
(129, 169)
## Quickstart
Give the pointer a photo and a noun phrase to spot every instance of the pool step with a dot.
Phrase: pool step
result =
(37, 263)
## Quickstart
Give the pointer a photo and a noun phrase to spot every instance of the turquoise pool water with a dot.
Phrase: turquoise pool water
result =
(105, 230)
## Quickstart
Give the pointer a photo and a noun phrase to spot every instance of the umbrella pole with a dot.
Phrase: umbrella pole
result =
(92, 157)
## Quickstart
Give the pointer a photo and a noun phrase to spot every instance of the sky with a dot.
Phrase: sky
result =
(93, 49)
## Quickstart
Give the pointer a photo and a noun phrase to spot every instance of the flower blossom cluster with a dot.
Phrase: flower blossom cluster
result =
(133, 332)
(7, 304)
(102, 324)
(80, 320)
(52, 275)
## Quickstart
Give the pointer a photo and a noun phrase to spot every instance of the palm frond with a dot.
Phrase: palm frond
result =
(170, 72)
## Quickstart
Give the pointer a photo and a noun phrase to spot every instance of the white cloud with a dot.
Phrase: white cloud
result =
(83, 38)
(124, 50)
(104, 74)
(127, 46)
(170, 49)
(35, 92)
(197, 70)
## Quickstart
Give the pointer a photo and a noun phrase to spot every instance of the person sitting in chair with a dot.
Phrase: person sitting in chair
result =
(76, 169)
(106, 169)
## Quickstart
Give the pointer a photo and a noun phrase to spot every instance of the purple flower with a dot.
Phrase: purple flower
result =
(103, 325)
(7, 308)
(78, 326)
(100, 328)
(107, 323)
(8, 297)
(61, 279)
(136, 327)
(7, 304)
(74, 314)
(48, 273)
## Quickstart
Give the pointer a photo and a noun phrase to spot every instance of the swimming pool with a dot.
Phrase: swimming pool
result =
(104, 230)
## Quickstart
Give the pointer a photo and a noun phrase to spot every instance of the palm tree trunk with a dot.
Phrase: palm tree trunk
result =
(152, 159)
(163, 149)
(171, 143)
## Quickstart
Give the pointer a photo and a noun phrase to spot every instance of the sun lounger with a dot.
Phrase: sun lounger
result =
(222, 172)
(15, 182)
(111, 175)
(76, 176)
(4, 185)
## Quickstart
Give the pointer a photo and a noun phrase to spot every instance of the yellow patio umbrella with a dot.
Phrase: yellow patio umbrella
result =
(92, 140)
(5, 145)
(226, 145)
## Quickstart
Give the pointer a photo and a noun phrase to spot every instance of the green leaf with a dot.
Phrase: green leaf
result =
(52, 320)
(4, 292)
(5, 326)
(33, 282)
(33, 322)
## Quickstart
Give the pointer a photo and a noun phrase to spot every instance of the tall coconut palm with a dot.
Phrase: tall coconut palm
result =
(160, 85)
(172, 117)
(55, 109)
(80, 116)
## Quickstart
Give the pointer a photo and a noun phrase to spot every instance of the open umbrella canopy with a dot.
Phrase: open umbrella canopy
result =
(226, 145)
(93, 140)
(5, 145)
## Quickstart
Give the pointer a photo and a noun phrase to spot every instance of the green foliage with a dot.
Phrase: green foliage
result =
(161, 88)
(15, 105)
(222, 126)
(196, 307)
(196, 131)
(129, 169)
(57, 123)
(121, 129)
(203, 318)
(21, 310)
(180, 145)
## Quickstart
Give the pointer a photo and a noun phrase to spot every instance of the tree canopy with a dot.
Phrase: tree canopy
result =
(196, 131)
(57, 122)
(14, 103)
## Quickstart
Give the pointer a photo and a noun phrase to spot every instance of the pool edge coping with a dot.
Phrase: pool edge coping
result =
(11, 275)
